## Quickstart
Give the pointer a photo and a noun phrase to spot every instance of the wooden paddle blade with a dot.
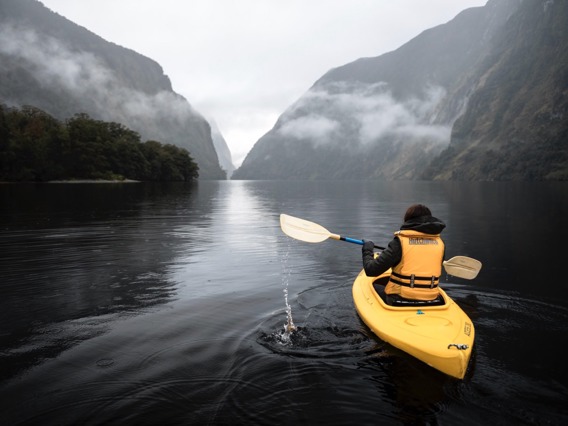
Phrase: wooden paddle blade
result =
(463, 267)
(303, 230)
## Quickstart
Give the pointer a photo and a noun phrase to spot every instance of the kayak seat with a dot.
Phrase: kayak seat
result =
(396, 300)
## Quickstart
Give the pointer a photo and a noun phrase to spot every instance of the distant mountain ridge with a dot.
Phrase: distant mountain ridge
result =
(223, 152)
(482, 97)
(53, 64)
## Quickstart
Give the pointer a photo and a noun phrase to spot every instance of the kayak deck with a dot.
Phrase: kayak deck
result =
(439, 334)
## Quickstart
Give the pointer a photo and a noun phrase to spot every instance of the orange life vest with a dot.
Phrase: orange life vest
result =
(418, 274)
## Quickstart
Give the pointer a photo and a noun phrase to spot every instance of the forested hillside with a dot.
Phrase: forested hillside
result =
(53, 64)
(36, 147)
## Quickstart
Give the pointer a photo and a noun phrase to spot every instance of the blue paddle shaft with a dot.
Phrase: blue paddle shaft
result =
(355, 241)
(352, 240)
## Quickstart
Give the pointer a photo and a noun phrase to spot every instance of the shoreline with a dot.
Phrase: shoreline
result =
(76, 181)
(93, 181)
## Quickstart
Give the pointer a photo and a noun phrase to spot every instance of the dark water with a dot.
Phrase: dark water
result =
(168, 304)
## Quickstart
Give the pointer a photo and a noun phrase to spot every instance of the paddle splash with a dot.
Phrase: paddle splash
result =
(289, 327)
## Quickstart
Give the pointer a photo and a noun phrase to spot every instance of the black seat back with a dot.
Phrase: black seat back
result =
(396, 300)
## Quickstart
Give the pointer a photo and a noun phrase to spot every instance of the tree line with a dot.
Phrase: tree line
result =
(36, 147)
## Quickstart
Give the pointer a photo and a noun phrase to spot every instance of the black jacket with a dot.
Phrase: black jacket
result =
(392, 255)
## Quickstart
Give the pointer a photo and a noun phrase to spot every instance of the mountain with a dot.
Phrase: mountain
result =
(49, 62)
(222, 149)
(516, 123)
(482, 97)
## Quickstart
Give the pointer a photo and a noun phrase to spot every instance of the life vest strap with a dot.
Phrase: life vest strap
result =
(415, 277)
(412, 278)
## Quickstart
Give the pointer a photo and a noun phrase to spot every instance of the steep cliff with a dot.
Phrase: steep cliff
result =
(516, 123)
(53, 64)
(435, 107)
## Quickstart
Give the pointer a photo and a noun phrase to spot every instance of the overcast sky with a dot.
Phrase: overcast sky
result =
(241, 63)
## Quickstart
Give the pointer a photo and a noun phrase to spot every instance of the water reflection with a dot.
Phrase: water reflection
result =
(76, 253)
(167, 305)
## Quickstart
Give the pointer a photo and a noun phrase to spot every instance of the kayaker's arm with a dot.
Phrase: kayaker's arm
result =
(388, 258)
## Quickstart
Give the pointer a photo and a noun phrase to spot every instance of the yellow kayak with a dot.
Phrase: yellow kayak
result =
(438, 333)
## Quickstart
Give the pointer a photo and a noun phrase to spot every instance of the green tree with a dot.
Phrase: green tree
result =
(34, 146)
(27, 153)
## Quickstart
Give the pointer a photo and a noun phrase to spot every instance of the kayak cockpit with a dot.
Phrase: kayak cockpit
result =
(395, 300)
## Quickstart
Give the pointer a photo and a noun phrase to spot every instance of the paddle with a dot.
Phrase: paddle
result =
(462, 267)
(311, 232)
(304, 230)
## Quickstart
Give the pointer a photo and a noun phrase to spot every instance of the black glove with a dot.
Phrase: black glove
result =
(368, 245)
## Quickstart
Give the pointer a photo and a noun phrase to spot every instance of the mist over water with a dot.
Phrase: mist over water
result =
(186, 304)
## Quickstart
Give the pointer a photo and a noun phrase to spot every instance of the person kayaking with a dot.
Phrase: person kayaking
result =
(415, 255)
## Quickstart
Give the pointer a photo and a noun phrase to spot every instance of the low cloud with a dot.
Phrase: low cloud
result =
(312, 126)
(84, 75)
(52, 62)
(366, 111)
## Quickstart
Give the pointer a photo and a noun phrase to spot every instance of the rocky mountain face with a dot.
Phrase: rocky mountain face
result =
(482, 97)
(516, 123)
(49, 62)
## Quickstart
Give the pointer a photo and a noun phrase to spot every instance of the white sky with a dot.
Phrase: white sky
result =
(241, 63)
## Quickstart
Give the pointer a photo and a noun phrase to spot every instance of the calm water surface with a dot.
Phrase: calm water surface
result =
(169, 304)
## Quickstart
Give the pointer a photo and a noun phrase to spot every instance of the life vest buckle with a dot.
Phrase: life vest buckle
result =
(432, 282)
(412, 281)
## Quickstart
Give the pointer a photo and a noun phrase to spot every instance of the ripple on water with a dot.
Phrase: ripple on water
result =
(316, 341)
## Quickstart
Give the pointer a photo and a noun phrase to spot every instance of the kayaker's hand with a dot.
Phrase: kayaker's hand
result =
(368, 245)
